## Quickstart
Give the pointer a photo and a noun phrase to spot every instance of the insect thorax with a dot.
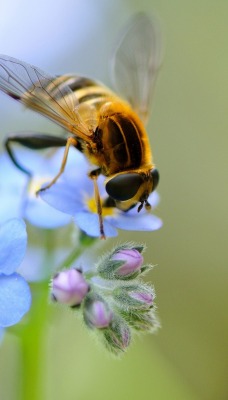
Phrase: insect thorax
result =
(121, 139)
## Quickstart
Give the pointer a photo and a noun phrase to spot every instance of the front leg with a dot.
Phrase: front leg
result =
(35, 141)
(71, 141)
(94, 175)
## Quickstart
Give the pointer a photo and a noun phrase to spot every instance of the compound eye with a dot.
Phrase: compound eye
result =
(124, 186)
(155, 178)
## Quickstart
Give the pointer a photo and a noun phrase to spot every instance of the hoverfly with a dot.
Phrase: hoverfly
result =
(107, 129)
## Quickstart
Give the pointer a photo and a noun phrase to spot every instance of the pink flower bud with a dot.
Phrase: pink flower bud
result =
(145, 298)
(136, 296)
(97, 314)
(69, 287)
(132, 261)
(118, 336)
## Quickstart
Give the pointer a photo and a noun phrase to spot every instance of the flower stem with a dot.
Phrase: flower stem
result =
(32, 343)
(84, 242)
(33, 333)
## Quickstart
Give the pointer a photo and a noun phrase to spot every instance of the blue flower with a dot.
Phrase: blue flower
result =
(18, 199)
(15, 296)
(73, 194)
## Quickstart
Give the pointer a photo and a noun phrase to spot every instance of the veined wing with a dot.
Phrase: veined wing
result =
(135, 63)
(47, 95)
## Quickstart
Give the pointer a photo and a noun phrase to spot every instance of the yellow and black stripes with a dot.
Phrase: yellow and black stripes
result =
(85, 90)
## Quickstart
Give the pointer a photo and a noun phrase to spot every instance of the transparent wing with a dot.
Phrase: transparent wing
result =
(48, 95)
(136, 61)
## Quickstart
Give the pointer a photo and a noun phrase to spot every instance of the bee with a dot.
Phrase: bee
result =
(108, 128)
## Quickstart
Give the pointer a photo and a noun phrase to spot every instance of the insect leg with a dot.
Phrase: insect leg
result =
(94, 175)
(71, 141)
(37, 141)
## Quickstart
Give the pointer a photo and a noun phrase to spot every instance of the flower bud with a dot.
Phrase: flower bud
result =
(118, 336)
(69, 287)
(97, 313)
(137, 296)
(132, 261)
(145, 321)
(123, 263)
(145, 298)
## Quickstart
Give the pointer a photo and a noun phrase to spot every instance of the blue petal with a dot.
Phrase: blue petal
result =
(10, 206)
(70, 192)
(30, 160)
(145, 222)
(37, 163)
(63, 198)
(89, 223)
(154, 199)
(40, 214)
(12, 189)
(13, 241)
(15, 299)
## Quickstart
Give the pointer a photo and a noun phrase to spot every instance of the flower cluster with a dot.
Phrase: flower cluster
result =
(15, 296)
(112, 298)
(71, 196)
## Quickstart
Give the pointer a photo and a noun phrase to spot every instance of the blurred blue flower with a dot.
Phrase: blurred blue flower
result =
(15, 296)
(18, 199)
(73, 194)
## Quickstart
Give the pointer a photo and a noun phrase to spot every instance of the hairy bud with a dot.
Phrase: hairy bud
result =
(97, 313)
(123, 263)
(117, 337)
(69, 287)
(131, 262)
(137, 296)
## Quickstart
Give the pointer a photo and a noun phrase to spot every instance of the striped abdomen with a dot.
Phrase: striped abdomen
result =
(86, 90)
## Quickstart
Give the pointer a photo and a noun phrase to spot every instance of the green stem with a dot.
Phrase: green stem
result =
(33, 333)
(84, 242)
(32, 343)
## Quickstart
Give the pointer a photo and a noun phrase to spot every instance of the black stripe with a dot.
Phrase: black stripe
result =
(80, 83)
(116, 142)
(90, 96)
(132, 138)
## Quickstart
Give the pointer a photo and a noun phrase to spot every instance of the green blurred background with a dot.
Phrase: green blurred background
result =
(188, 357)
